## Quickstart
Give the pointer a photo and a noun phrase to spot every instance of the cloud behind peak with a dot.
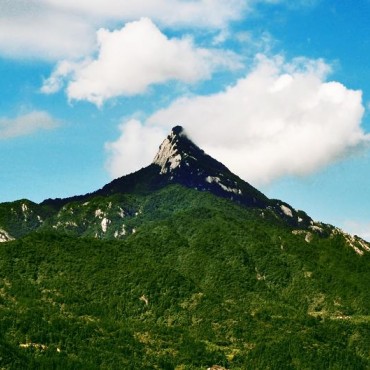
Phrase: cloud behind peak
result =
(283, 118)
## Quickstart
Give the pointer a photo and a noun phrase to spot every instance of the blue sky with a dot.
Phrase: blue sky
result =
(278, 92)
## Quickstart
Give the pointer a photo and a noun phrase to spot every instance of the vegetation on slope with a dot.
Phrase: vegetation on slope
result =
(201, 282)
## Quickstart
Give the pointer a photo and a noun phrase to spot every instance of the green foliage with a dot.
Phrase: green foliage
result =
(22, 217)
(201, 282)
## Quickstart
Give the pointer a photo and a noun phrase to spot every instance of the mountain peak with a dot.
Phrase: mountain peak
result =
(180, 161)
(169, 156)
(178, 130)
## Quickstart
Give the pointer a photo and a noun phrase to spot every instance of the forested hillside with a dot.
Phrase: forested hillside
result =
(197, 281)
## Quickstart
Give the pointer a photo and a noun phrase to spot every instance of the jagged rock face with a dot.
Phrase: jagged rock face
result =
(178, 151)
(181, 161)
(168, 156)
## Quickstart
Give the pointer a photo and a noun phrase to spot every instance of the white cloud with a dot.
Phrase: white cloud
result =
(133, 58)
(281, 119)
(53, 29)
(30, 29)
(26, 124)
(134, 148)
(63, 71)
(194, 13)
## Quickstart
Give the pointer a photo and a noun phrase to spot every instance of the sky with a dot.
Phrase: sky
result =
(279, 93)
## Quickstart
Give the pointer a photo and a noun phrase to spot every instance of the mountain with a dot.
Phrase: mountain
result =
(178, 161)
(180, 265)
(182, 162)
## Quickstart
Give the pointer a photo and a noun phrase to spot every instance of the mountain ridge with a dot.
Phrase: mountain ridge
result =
(178, 161)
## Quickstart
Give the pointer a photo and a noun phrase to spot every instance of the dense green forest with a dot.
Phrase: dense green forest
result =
(196, 281)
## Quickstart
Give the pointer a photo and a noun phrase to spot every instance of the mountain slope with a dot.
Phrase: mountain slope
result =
(203, 281)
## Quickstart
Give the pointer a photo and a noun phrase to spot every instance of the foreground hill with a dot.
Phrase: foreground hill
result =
(154, 272)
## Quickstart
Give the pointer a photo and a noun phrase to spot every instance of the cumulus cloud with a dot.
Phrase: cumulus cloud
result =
(26, 124)
(53, 29)
(135, 147)
(133, 58)
(64, 69)
(283, 118)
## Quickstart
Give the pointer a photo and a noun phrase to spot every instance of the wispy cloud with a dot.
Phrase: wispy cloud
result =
(26, 124)
(178, 13)
(54, 30)
(31, 29)
(283, 118)
(133, 58)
